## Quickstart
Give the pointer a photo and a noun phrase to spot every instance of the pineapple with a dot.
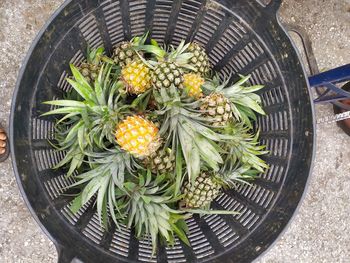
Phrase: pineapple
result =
(136, 77)
(243, 100)
(162, 161)
(169, 68)
(201, 192)
(91, 67)
(218, 108)
(125, 52)
(137, 136)
(192, 84)
(167, 74)
(199, 60)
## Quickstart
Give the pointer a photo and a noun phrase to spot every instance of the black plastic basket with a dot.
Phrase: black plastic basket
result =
(241, 36)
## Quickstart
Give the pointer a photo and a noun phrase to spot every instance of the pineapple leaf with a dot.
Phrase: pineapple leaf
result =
(85, 91)
(156, 50)
(76, 204)
(190, 153)
(98, 85)
(90, 189)
(248, 102)
(211, 212)
(154, 43)
(81, 85)
(75, 163)
(66, 103)
(101, 196)
(67, 117)
(209, 153)
(178, 172)
(65, 110)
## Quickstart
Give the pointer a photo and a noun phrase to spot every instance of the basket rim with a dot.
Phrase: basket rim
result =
(310, 174)
(12, 113)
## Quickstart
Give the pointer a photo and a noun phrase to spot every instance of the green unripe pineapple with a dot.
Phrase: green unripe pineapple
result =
(218, 109)
(199, 60)
(92, 65)
(162, 161)
(201, 192)
(167, 74)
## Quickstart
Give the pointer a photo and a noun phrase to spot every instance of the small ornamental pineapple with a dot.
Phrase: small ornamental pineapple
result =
(169, 67)
(218, 109)
(162, 161)
(137, 136)
(201, 192)
(125, 52)
(192, 84)
(167, 74)
(243, 100)
(136, 77)
(199, 60)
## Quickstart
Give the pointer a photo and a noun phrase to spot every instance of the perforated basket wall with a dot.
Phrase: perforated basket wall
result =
(241, 36)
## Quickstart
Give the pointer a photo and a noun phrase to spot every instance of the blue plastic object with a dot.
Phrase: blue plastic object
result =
(328, 80)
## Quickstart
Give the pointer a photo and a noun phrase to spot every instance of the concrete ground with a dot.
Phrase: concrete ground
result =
(321, 230)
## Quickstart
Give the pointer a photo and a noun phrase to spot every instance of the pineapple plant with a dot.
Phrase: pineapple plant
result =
(136, 77)
(192, 84)
(137, 136)
(90, 119)
(218, 109)
(162, 151)
(243, 100)
(201, 192)
(199, 60)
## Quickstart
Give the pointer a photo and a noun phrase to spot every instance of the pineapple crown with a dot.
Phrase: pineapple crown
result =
(87, 122)
(139, 40)
(96, 56)
(148, 207)
(188, 132)
(243, 99)
(236, 176)
(170, 54)
(106, 180)
(243, 149)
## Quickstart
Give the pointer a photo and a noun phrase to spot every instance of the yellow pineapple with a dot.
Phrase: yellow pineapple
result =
(136, 77)
(137, 136)
(192, 83)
